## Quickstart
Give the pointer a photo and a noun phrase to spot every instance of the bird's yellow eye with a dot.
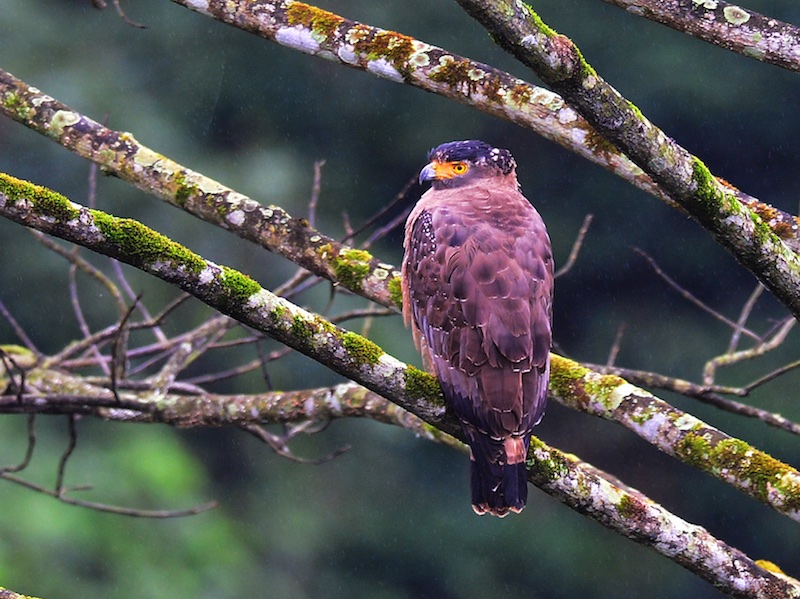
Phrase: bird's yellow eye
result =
(459, 168)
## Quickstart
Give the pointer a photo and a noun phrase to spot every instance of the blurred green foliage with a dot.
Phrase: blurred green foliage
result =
(390, 518)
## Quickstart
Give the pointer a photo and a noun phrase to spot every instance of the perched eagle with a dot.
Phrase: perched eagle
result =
(477, 290)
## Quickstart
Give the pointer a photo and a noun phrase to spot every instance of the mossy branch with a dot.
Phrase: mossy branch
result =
(678, 434)
(387, 54)
(578, 484)
(270, 226)
(718, 208)
(725, 25)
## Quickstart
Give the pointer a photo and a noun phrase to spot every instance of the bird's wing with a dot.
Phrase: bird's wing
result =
(479, 290)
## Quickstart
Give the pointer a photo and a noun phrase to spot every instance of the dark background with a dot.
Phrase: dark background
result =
(390, 518)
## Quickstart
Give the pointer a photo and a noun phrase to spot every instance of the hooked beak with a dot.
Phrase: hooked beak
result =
(428, 173)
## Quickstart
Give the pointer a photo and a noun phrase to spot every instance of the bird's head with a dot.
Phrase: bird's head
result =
(458, 163)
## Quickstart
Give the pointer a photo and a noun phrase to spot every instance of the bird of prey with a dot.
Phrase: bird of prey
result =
(477, 289)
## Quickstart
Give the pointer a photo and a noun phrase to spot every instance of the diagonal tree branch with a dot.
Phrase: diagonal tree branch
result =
(678, 434)
(384, 53)
(718, 208)
(232, 293)
(726, 25)
(270, 226)
(577, 484)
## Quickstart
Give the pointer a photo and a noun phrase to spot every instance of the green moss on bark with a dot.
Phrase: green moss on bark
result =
(362, 350)
(44, 202)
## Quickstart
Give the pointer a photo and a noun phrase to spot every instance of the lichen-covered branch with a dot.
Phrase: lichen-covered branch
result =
(384, 53)
(726, 25)
(717, 207)
(648, 523)
(270, 226)
(678, 434)
(50, 391)
(708, 394)
(403, 59)
(235, 294)
(223, 288)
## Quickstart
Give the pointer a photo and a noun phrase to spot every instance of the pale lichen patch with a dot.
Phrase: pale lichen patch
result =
(735, 15)
(298, 38)
(687, 422)
(621, 392)
(199, 6)
(147, 157)
(206, 275)
(236, 217)
(260, 299)
(567, 115)
(650, 425)
(308, 406)
(383, 68)
(347, 55)
(61, 119)
(708, 4)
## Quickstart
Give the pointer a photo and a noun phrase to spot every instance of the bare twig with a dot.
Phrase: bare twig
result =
(119, 349)
(576, 246)
(28, 451)
(312, 204)
(104, 507)
(62, 463)
(689, 296)
(279, 444)
(614, 351)
(18, 330)
(763, 347)
(744, 315)
(132, 295)
(101, 4)
(401, 196)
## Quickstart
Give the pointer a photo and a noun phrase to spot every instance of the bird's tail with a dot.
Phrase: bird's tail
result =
(499, 476)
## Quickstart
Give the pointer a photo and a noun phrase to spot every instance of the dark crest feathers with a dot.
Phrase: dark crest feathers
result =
(475, 152)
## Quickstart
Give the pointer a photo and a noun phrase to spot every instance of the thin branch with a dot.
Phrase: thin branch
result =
(18, 330)
(777, 339)
(104, 507)
(315, 189)
(279, 443)
(133, 296)
(771, 376)
(101, 4)
(119, 347)
(725, 25)
(28, 451)
(230, 373)
(614, 351)
(400, 197)
(686, 294)
(744, 315)
(576, 246)
(705, 393)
